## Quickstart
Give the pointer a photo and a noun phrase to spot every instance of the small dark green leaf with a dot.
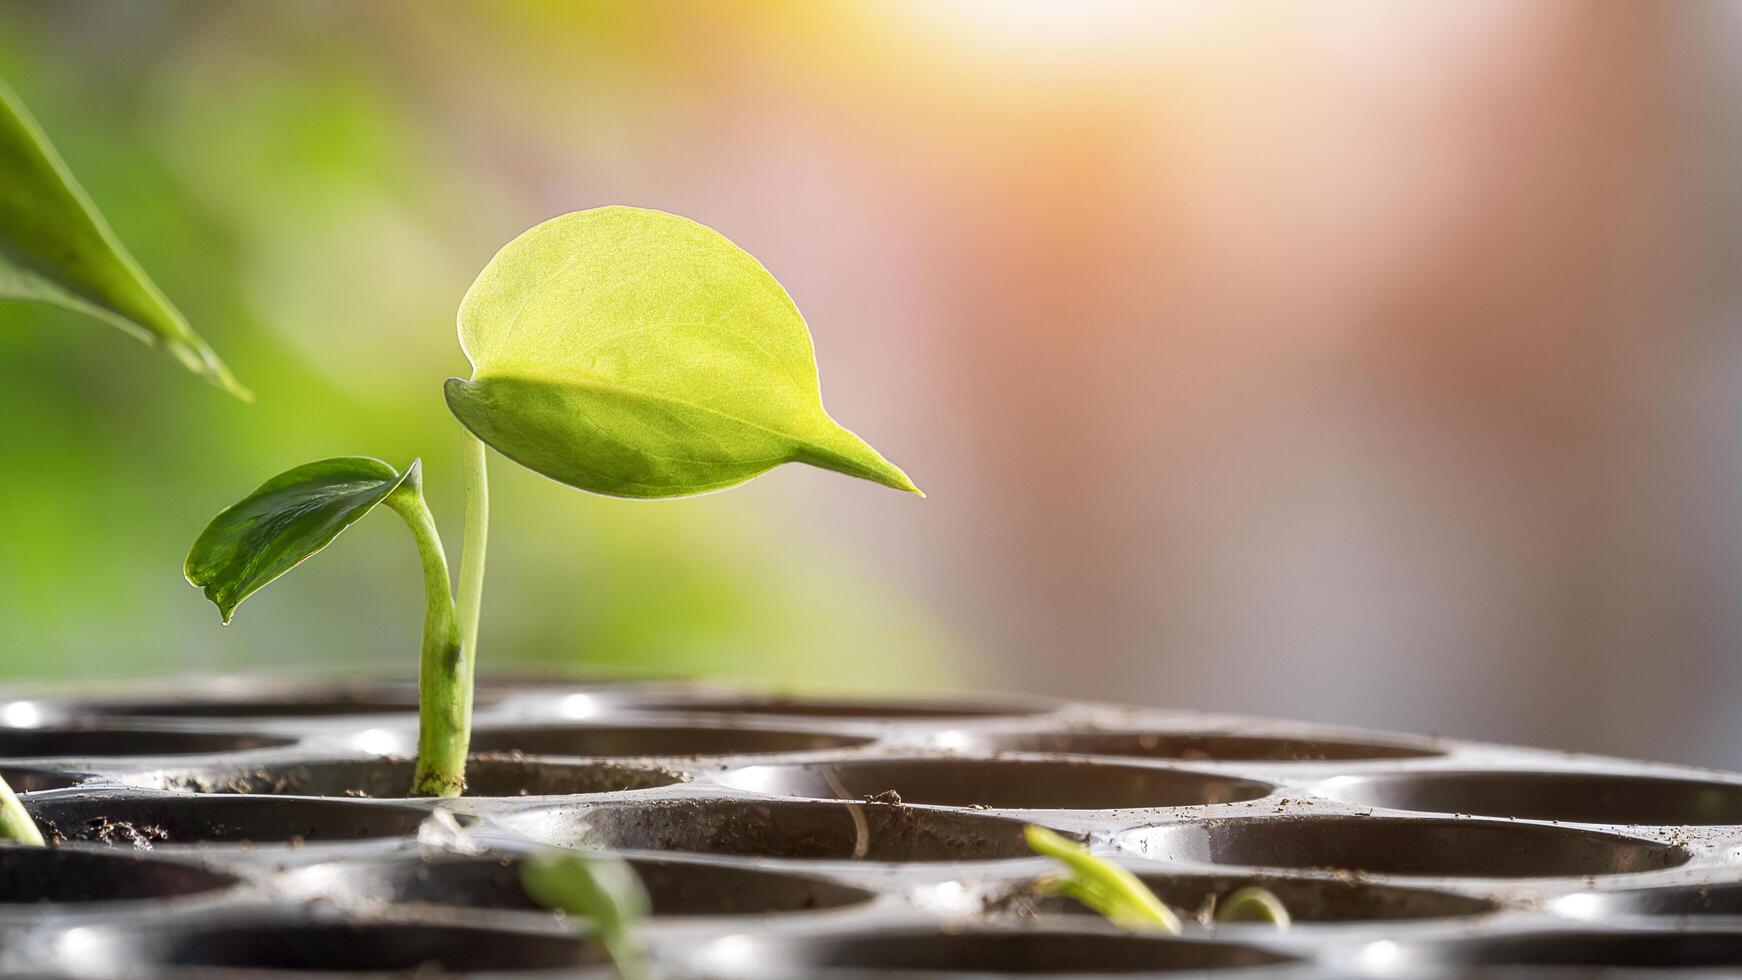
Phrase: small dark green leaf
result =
(639, 354)
(290, 517)
(55, 248)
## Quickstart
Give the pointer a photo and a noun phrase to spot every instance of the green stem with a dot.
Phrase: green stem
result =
(15, 821)
(472, 554)
(444, 674)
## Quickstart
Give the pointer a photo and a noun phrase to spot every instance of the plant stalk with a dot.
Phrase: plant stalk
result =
(476, 541)
(444, 673)
(15, 822)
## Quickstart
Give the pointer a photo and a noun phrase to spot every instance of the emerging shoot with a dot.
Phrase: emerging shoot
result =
(621, 351)
(604, 891)
(1253, 904)
(1107, 889)
(1121, 898)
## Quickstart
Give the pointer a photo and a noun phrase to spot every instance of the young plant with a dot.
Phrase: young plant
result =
(626, 352)
(1107, 889)
(1121, 898)
(1253, 904)
(604, 891)
(55, 248)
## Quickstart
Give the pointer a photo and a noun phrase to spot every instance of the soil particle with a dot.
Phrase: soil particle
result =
(112, 832)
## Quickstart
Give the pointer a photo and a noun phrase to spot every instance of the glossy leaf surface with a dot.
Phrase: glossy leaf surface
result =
(286, 520)
(639, 354)
(55, 248)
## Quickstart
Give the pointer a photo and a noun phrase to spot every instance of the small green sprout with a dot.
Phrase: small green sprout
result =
(603, 890)
(56, 249)
(1253, 904)
(1122, 899)
(1107, 889)
(621, 351)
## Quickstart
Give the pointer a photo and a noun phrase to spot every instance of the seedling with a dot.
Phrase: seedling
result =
(626, 352)
(1106, 888)
(1121, 898)
(1253, 904)
(55, 248)
(602, 890)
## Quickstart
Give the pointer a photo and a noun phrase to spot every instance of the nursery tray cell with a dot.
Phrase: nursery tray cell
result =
(1185, 746)
(391, 778)
(1308, 900)
(998, 784)
(654, 740)
(146, 821)
(1573, 797)
(674, 888)
(826, 831)
(1433, 847)
(24, 780)
(80, 743)
(70, 875)
(321, 947)
(909, 710)
(935, 952)
(1715, 899)
(1571, 954)
(296, 702)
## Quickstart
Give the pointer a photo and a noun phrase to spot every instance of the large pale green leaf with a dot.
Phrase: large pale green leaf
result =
(640, 354)
(55, 248)
(289, 518)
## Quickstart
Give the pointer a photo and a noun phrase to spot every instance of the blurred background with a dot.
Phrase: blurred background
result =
(1346, 361)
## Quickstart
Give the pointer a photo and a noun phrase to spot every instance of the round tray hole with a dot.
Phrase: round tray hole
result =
(1573, 797)
(1724, 898)
(1586, 952)
(272, 945)
(1379, 845)
(998, 784)
(498, 776)
(670, 741)
(24, 780)
(936, 953)
(1184, 746)
(674, 888)
(813, 831)
(65, 875)
(1318, 900)
(894, 710)
(70, 743)
(264, 701)
(141, 821)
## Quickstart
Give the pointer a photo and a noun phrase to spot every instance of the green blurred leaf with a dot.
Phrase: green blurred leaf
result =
(603, 890)
(55, 248)
(640, 354)
(1106, 888)
(1254, 904)
(289, 518)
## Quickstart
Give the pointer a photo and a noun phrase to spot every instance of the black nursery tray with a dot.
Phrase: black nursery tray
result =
(246, 828)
